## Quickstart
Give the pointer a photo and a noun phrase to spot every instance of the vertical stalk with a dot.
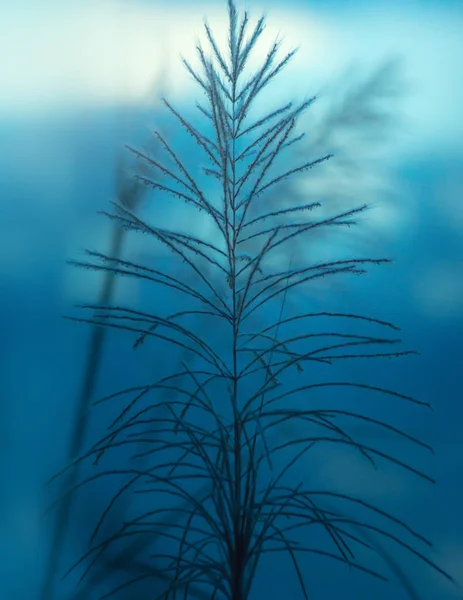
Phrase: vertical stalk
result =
(129, 195)
(238, 549)
(80, 427)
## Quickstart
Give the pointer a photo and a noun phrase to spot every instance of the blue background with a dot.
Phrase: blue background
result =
(69, 108)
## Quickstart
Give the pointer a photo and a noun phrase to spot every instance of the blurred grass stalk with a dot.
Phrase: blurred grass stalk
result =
(130, 194)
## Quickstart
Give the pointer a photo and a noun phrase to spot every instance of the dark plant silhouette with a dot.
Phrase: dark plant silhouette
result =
(129, 196)
(218, 478)
(129, 193)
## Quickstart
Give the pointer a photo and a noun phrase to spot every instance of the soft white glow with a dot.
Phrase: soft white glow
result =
(113, 51)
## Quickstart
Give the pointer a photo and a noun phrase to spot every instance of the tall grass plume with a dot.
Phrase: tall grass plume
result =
(219, 486)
